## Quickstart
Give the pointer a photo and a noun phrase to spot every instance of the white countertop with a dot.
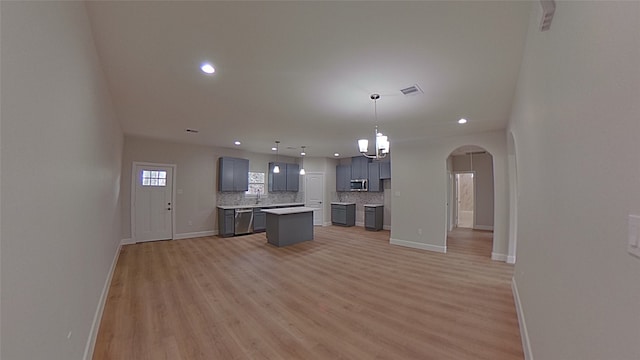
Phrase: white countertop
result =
(343, 203)
(289, 210)
(373, 205)
(250, 206)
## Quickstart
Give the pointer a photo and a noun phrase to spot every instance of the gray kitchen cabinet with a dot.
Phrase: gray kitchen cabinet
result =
(375, 184)
(343, 214)
(233, 174)
(226, 222)
(359, 167)
(277, 182)
(373, 217)
(288, 179)
(343, 178)
(293, 177)
(259, 220)
(385, 170)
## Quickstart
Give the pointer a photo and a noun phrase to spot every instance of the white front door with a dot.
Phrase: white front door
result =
(314, 195)
(152, 203)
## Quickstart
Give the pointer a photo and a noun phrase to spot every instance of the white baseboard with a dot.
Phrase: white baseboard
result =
(483, 227)
(386, 227)
(417, 245)
(511, 259)
(498, 256)
(327, 223)
(195, 234)
(97, 317)
(127, 241)
(524, 335)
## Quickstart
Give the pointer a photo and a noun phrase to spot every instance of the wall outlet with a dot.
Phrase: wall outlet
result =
(190, 222)
(69, 335)
(419, 231)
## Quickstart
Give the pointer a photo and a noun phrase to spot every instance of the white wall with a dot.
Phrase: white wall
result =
(419, 190)
(576, 124)
(61, 153)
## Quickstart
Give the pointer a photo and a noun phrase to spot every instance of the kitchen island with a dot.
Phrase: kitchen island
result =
(287, 226)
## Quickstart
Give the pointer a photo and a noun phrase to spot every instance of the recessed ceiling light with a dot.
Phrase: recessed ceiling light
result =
(336, 154)
(207, 68)
(237, 142)
(462, 121)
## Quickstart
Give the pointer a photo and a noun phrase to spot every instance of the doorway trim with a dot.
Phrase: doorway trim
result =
(133, 197)
(512, 173)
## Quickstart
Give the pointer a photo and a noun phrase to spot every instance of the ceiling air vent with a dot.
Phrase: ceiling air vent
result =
(193, 131)
(412, 90)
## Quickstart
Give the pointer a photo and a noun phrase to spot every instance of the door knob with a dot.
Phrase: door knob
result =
(168, 208)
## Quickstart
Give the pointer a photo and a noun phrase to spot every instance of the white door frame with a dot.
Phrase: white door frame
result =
(450, 201)
(133, 197)
(306, 193)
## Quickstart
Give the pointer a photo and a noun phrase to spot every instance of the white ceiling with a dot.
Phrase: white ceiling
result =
(302, 72)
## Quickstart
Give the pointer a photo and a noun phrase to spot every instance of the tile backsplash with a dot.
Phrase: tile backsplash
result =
(239, 198)
(361, 198)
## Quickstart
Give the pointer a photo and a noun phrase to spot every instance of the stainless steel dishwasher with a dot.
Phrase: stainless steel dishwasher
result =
(244, 221)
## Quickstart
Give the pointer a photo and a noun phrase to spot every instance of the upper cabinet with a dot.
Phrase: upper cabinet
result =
(360, 167)
(385, 170)
(363, 168)
(343, 177)
(375, 184)
(233, 174)
(293, 177)
(277, 181)
(288, 179)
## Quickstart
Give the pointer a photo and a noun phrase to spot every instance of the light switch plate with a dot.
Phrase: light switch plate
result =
(634, 235)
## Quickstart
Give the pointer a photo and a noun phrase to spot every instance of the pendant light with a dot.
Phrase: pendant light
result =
(302, 153)
(382, 141)
(276, 168)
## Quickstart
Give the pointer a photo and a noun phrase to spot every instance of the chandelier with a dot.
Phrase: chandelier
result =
(382, 142)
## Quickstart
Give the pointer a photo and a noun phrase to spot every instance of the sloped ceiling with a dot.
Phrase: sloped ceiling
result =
(302, 72)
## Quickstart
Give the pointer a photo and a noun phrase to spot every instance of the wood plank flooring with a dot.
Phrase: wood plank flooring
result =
(348, 294)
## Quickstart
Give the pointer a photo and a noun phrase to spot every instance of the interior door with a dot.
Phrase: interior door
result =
(314, 195)
(153, 205)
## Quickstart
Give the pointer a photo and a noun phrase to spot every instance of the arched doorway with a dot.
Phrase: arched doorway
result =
(470, 200)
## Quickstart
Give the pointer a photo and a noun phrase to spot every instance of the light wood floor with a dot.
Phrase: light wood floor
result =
(347, 294)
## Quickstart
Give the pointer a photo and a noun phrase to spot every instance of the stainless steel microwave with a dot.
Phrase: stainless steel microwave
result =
(359, 185)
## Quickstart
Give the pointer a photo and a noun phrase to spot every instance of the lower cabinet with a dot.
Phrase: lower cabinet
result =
(259, 220)
(343, 214)
(227, 219)
(226, 222)
(373, 217)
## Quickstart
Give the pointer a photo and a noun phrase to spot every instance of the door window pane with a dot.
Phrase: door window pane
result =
(154, 178)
